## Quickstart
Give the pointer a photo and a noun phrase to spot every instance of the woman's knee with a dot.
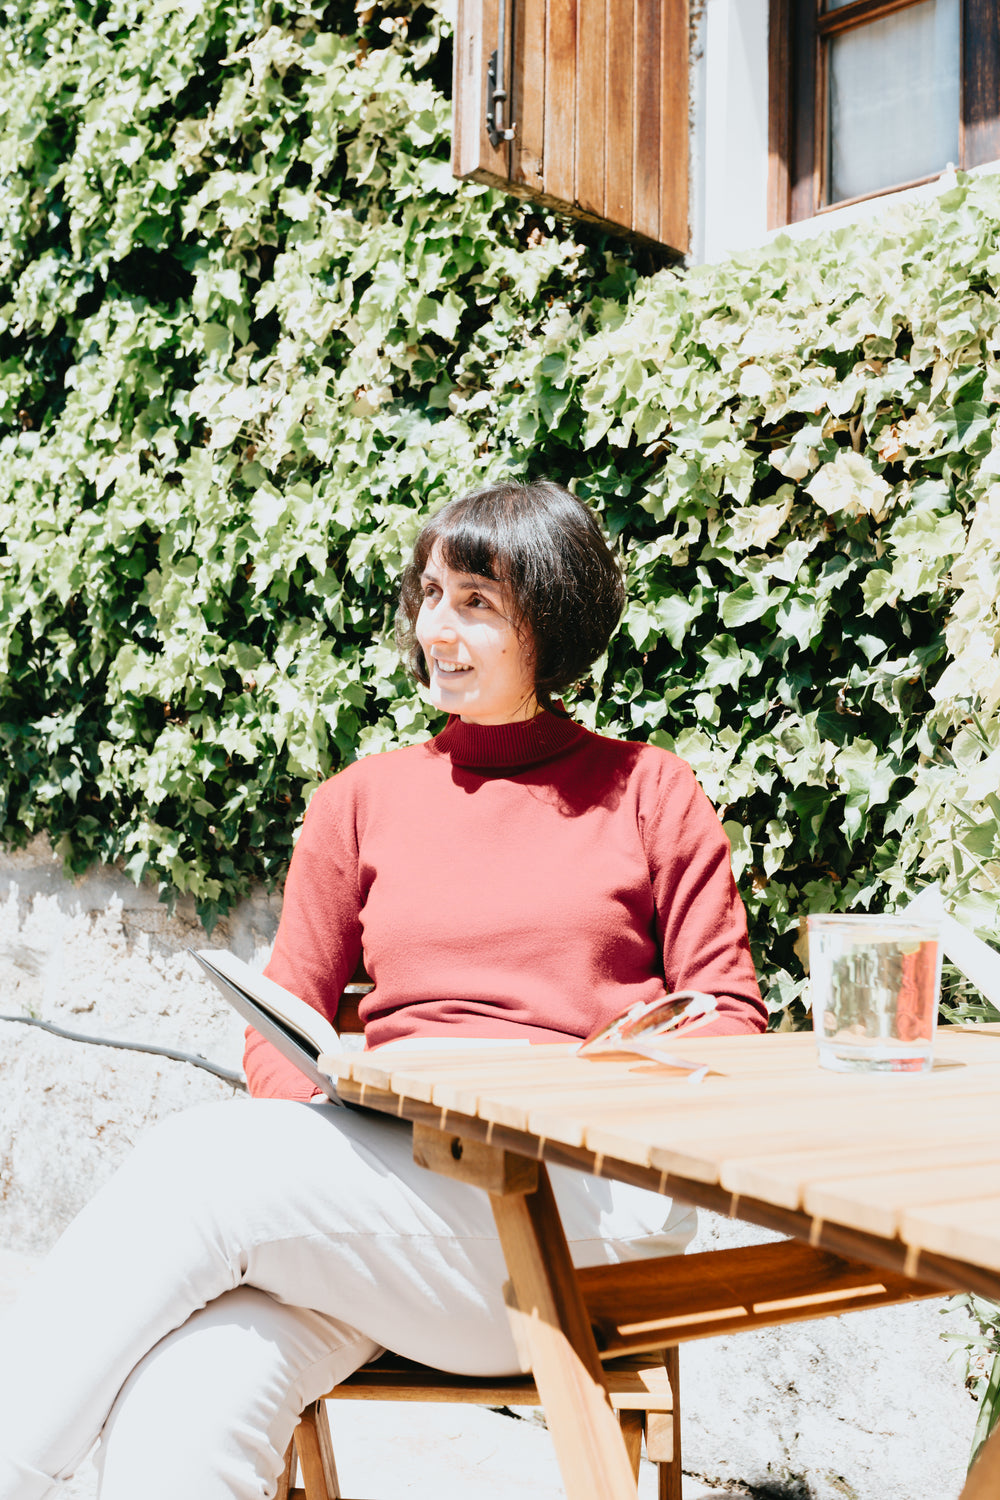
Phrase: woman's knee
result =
(211, 1408)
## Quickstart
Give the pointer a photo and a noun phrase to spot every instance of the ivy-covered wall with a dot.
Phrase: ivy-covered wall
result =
(251, 330)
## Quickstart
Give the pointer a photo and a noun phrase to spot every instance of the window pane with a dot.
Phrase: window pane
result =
(893, 89)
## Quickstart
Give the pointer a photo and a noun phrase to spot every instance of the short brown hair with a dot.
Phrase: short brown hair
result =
(547, 548)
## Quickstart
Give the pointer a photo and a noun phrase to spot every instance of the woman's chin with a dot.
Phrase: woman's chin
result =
(448, 700)
(471, 709)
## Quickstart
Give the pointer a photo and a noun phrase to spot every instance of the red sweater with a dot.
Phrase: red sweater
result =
(516, 880)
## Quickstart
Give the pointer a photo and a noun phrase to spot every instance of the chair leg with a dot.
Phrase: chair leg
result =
(315, 1453)
(287, 1479)
(663, 1433)
(631, 1423)
(311, 1449)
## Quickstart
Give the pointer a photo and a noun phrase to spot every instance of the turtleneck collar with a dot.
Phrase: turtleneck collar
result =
(507, 747)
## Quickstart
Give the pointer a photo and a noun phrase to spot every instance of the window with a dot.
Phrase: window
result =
(870, 96)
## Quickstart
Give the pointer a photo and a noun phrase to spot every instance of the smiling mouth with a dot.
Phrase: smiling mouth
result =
(450, 668)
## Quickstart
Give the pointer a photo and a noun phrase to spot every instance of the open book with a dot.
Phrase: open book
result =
(298, 1031)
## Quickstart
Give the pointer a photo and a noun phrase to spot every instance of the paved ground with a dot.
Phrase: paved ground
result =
(419, 1452)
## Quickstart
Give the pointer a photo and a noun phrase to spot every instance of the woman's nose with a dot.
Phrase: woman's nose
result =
(441, 625)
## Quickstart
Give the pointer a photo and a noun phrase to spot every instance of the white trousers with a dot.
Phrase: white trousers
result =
(246, 1258)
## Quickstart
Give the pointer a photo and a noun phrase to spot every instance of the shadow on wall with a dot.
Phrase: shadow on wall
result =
(795, 1489)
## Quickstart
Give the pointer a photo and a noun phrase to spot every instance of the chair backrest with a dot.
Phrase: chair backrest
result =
(347, 1019)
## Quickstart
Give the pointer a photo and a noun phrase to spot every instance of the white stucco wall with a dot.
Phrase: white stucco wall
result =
(864, 1407)
(728, 127)
(102, 957)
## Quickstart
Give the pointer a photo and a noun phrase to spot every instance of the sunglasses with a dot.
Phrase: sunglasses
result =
(641, 1028)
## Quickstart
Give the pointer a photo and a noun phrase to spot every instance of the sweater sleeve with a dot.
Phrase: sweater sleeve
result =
(701, 920)
(318, 942)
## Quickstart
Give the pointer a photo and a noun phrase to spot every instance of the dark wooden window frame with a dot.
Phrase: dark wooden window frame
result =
(798, 30)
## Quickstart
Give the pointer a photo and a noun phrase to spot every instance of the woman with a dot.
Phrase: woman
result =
(514, 877)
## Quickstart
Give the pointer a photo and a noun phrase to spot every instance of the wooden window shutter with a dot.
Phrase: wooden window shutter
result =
(981, 83)
(597, 99)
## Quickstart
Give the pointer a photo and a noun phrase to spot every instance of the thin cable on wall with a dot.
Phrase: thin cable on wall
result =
(226, 1074)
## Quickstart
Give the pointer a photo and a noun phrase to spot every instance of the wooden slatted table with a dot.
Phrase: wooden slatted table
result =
(899, 1172)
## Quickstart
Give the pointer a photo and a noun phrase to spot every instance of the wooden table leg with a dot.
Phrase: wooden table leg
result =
(551, 1316)
(553, 1323)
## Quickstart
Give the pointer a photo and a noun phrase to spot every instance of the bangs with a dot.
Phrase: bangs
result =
(464, 549)
(481, 536)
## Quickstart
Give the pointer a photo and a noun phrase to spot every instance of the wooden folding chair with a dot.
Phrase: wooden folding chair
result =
(643, 1393)
(643, 1387)
(640, 1312)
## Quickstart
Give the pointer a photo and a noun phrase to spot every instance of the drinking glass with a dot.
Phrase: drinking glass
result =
(875, 983)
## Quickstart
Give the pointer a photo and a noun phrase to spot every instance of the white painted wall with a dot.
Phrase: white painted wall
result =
(729, 138)
(728, 127)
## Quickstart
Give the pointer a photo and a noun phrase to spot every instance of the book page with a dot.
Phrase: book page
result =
(298, 1031)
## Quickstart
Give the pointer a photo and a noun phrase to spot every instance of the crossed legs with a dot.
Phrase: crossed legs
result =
(245, 1258)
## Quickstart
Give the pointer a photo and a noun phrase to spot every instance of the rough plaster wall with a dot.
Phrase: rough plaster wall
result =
(101, 957)
(863, 1407)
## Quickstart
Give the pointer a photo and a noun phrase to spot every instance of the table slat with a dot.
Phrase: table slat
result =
(967, 1230)
(703, 1151)
(878, 1202)
(782, 1178)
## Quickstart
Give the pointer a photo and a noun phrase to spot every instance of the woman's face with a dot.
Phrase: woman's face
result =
(478, 668)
